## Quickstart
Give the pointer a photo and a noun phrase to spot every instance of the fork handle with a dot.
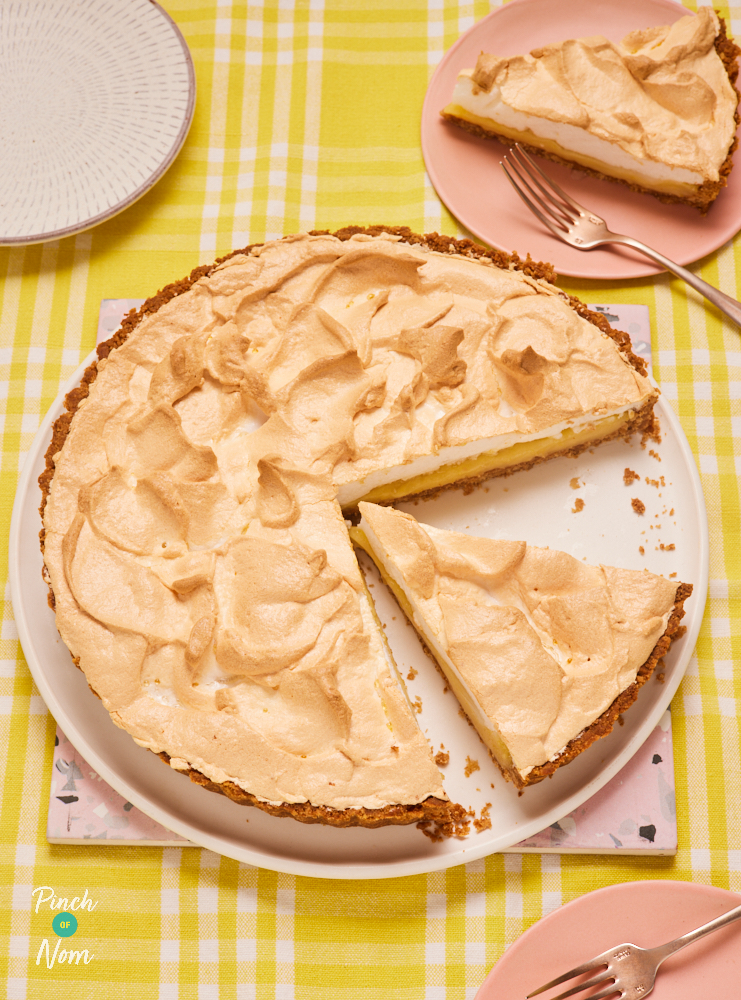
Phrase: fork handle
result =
(671, 947)
(728, 306)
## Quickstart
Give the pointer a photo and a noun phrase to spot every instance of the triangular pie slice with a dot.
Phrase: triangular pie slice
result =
(656, 111)
(543, 651)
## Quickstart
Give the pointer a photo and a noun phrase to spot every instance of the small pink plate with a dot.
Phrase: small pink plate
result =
(466, 173)
(643, 913)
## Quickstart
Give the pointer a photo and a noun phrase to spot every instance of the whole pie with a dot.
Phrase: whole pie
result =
(196, 490)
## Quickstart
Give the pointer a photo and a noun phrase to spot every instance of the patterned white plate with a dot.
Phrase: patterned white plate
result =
(97, 99)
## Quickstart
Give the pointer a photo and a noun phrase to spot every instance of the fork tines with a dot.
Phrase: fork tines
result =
(525, 176)
(610, 990)
(605, 976)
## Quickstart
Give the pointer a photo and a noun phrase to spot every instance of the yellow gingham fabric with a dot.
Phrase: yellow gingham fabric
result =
(308, 115)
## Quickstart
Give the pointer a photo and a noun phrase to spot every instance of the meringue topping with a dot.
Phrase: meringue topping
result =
(200, 564)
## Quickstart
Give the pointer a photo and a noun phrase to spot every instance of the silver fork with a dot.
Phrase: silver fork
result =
(630, 971)
(581, 228)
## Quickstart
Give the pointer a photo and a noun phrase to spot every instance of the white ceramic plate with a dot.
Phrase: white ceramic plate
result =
(98, 97)
(536, 505)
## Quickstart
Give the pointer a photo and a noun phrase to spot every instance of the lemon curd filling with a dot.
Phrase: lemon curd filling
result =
(635, 172)
(489, 462)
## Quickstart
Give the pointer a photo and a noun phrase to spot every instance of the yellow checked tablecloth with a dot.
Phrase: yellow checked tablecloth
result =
(308, 115)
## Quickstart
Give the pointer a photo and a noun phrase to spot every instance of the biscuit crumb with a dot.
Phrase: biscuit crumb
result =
(574, 483)
(667, 548)
(412, 674)
(417, 705)
(442, 759)
(653, 435)
(456, 826)
(641, 550)
(672, 576)
(483, 822)
(629, 476)
(654, 454)
(621, 720)
(578, 506)
(471, 766)
(638, 505)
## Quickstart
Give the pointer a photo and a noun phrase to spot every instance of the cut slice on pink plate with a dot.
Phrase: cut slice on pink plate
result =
(466, 174)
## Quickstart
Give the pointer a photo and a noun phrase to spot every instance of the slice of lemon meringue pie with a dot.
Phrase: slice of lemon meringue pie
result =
(543, 651)
(656, 111)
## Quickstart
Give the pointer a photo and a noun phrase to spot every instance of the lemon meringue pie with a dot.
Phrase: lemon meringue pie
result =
(194, 542)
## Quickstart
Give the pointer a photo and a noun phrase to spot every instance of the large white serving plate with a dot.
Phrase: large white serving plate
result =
(537, 505)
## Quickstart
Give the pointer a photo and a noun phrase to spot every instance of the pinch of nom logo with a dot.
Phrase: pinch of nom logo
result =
(64, 925)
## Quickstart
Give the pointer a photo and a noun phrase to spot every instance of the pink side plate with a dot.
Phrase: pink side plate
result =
(466, 173)
(643, 913)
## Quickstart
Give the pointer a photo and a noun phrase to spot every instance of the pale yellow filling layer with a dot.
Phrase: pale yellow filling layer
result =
(491, 461)
(667, 186)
